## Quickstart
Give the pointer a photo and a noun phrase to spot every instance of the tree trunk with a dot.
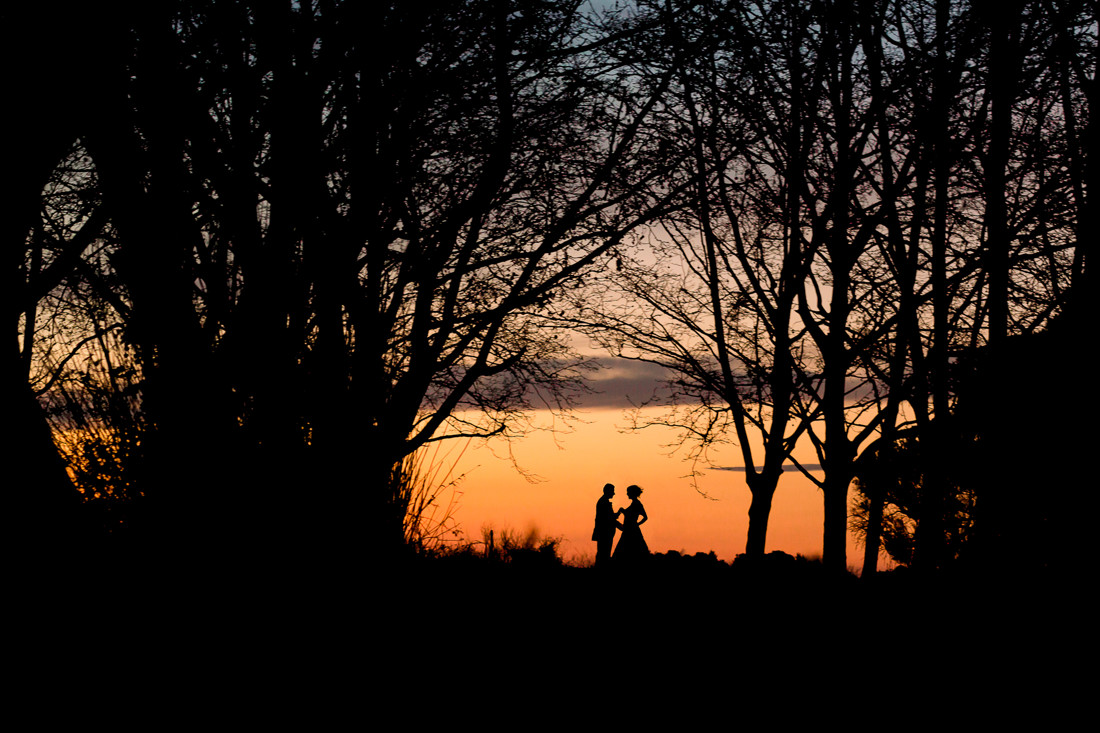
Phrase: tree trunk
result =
(872, 541)
(760, 509)
(835, 535)
(1003, 74)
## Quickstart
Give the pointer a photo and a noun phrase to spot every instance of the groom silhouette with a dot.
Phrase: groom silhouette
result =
(606, 523)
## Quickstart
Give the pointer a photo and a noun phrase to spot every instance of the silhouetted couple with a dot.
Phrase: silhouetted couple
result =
(631, 545)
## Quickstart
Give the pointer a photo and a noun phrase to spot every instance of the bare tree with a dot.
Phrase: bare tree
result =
(336, 250)
(712, 295)
(44, 509)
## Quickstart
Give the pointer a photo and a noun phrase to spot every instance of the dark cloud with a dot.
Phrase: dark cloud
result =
(623, 383)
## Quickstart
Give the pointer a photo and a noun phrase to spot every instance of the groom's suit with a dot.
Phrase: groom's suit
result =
(604, 532)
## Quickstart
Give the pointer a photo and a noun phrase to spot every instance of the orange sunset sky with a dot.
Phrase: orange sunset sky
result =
(570, 465)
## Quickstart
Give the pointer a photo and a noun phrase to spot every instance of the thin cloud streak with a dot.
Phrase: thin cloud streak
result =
(786, 467)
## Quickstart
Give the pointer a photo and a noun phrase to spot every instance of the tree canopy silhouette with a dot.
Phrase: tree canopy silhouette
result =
(334, 229)
(268, 250)
(878, 188)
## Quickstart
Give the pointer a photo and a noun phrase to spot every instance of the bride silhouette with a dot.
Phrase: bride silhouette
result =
(632, 545)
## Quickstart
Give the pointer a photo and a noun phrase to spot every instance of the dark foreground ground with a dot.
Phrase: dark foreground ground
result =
(432, 638)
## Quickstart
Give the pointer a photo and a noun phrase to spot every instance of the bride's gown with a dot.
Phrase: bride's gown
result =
(631, 543)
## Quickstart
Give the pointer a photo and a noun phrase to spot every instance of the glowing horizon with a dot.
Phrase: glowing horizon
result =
(704, 515)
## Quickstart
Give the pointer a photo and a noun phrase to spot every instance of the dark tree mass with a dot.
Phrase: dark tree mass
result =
(261, 254)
